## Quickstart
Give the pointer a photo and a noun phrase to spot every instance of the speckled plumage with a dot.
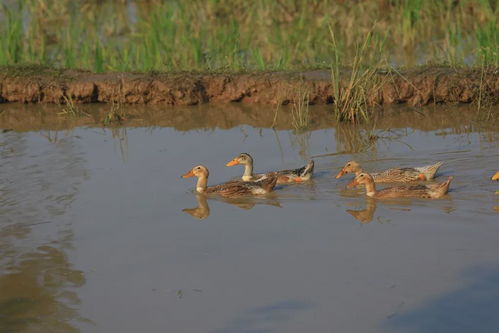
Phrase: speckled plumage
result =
(232, 188)
(394, 175)
(283, 176)
(425, 191)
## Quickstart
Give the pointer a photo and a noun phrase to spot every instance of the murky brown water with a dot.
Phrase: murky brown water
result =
(98, 233)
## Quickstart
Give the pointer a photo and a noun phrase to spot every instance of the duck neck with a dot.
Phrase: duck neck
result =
(202, 184)
(370, 188)
(248, 171)
(358, 171)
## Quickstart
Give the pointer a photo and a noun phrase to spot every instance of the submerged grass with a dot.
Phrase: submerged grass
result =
(235, 35)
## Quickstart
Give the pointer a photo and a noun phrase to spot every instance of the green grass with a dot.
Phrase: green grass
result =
(355, 90)
(236, 35)
(70, 108)
(300, 114)
(116, 115)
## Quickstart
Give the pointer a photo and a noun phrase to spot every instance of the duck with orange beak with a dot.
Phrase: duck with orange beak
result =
(232, 188)
(395, 175)
(283, 177)
(424, 191)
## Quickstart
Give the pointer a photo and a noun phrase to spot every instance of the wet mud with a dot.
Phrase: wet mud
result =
(416, 87)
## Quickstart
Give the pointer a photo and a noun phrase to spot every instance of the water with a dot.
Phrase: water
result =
(98, 232)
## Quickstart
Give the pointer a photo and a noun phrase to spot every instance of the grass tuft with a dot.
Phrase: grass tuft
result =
(354, 100)
(116, 115)
(300, 111)
(70, 109)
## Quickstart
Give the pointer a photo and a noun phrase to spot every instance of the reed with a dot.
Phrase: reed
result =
(69, 108)
(115, 116)
(300, 114)
(354, 99)
(235, 35)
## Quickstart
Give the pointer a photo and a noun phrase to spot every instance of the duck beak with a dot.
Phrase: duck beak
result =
(496, 176)
(353, 183)
(232, 163)
(340, 174)
(188, 174)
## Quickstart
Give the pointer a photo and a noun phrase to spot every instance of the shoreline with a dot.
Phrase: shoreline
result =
(416, 87)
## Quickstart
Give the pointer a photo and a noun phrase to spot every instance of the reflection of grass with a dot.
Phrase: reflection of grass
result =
(355, 138)
(120, 134)
(222, 35)
(301, 140)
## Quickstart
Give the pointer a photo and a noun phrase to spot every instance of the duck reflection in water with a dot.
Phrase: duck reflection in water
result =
(366, 215)
(202, 210)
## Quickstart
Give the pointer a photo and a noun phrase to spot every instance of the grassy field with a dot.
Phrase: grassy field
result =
(236, 35)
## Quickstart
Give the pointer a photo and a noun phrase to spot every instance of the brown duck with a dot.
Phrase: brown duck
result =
(284, 176)
(395, 175)
(232, 188)
(428, 191)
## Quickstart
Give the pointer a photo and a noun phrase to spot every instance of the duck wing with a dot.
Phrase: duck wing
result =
(397, 175)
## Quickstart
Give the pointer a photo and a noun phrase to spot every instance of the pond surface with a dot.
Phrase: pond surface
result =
(98, 232)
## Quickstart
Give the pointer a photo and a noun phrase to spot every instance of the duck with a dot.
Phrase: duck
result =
(231, 188)
(395, 175)
(426, 191)
(283, 177)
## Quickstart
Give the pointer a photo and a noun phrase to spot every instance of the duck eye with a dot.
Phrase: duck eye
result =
(348, 164)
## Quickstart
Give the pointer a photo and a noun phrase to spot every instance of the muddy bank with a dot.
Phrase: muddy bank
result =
(416, 87)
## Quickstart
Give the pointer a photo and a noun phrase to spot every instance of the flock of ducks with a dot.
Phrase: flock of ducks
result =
(260, 184)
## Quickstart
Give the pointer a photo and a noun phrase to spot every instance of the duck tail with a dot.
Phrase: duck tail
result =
(269, 183)
(429, 171)
(308, 169)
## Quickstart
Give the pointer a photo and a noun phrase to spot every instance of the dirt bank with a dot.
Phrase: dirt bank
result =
(416, 87)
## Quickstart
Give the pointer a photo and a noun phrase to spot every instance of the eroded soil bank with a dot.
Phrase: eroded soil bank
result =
(416, 87)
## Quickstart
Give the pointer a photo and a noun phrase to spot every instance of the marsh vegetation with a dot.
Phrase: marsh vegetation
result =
(234, 35)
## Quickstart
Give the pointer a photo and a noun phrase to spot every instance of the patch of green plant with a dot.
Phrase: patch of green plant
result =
(300, 109)
(238, 36)
(70, 109)
(353, 90)
(116, 115)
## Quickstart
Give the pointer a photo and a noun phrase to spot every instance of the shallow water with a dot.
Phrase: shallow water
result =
(98, 233)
